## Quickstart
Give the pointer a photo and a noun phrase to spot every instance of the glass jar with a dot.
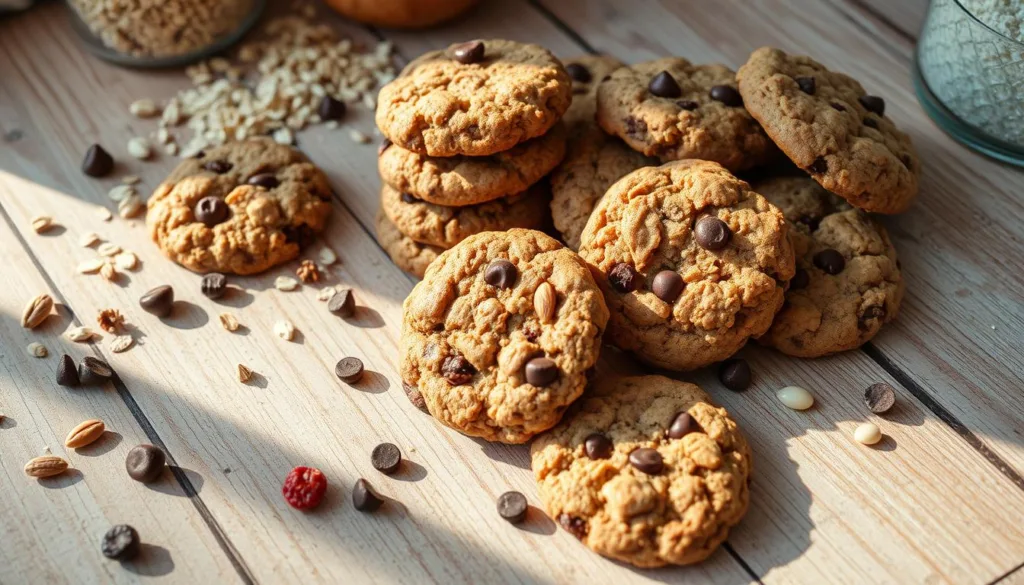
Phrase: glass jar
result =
(969, 74)
(166, 33)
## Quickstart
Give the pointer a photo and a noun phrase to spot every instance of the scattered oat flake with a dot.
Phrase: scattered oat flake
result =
(36, 349)
(244, 374)
(144, 108)
(79, 334)
(285, 330)
(285, 283)
(131, 180)
(171, 149)
(103, 213)
(358, 137)
(108, 249)
(91, 265)
(126, 260)
(87, 240)
(41, 223)
(121, 343)
(229, 321)
(139, 148)
(121, 192)
(327, 256)
(108, 271)
(130, 207)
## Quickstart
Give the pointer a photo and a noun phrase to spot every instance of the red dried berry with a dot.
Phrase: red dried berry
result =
(304, 487)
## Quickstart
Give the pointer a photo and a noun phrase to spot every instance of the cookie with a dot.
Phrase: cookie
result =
(474, 99)
(594, 162)
(848, 282)
(408, 254)
(691, 260)
(673, 110)
(587, 72)
(239, 208)
(500, 333)
(647, 471)
(465, 180)
(830, 127)
(444, 227)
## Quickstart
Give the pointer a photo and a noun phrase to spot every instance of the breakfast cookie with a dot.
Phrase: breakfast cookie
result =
(465, 180)
(847, 283)
(587, 72)
(474, 99)
(408, 254)
(444, 227)
(830, 127)
(500, 333)
(672, 109)
(647, 471)
(692, 262)
(594, 162)
(239, 208)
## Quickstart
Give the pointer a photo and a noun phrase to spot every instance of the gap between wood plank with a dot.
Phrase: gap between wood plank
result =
(143, 421)
(1008, 574)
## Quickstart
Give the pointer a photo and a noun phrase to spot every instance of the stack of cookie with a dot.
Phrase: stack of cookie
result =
(470, 134)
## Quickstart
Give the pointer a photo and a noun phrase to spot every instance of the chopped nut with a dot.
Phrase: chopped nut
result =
(244, 374)
(285, 330)
(36, 311)
(87, 240)
(144, 108)
(228, 321)
(139, 148)
(36, 349)
(108, 249)
(285, 283)
(41, 223)
(327, 256)
(110, 320)
(121, 343)
(79, 334)
(308, 272)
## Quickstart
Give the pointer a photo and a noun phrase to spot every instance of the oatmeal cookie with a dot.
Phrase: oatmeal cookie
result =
(408, 254)
(586, 72)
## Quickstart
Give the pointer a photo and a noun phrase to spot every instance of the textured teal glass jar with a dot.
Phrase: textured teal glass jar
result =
(969, 77)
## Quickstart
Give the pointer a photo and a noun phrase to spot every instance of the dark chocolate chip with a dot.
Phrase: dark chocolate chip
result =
(647, 460)
(578, 72)
(880, 397)
(218, 166)
(806, 84)
(873, 103)
(211, 211)
(711, 233)
(67, 372)
(457, 370)
(364, 497)
(573, 525)
(800, 280)
(349, 370)
(386, 458)
(512, 507)
(668, 285)
(623, 278)
(301, 234)
(94, 371)
(682, 425)
(735, 374)
(121, 543)
(871, 123)
(214, 285)
(331, 109)
(811, 222)
(415, 396)
(158, 301)
(635, 126)
(819, 166)
(342, 303)
(97, 162)
(265, 180)
(598, 446)
(829, 260)
(541, 371)
(145, 463)
(409, 198)
(384, 144)
(468, 53)
(688, 105)
(664, 85)
(728, 95)
(873, 312)
(501, 274)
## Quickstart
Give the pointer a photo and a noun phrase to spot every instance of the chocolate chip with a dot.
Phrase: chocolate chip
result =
(501, 274)
(578, 72)
(879, 397)
(211, 211)
(838, 107)
(711, 233)
(829, 260)
(145, 463)
(67, 372)
(735, 374)
(541, 371)
(331, 109)
(97, 162)
(218, 166)
(415, 396)
(819, 166)
(728, 95)
(468, 53)
(265, 180)
(688, 105)
(871, 123)
(682, 425)
(300, 234)
(158, 301)
(121, 543)
(623, 277)
(598, 446)
(364, 497)
(409, 198)
(667, 285)
(873, 103)
(342, 303)
(573, 525)
(386, 458)
(647, 460)
(384, 144)
(810, 221)
(873, 312)
(349, 370)
(664, 85)
(512, 507)
(457, 370)
(531, 331)
(635, 126)
(806, 84)
(214, 285)
(94, 371)
(800, 280)
(199, 154)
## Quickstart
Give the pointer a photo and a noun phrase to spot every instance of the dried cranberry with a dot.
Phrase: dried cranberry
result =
(304, 487)
(457, 370)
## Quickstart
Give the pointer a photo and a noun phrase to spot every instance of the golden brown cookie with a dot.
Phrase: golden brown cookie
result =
(444, 227)
(692, 263)
(465, 180)
(847, 283)
(830, 127)
(586, 72)
(239, 208)
(474, 99)
(674, 110)
(408, 254)
(647, 471)
(500, 333)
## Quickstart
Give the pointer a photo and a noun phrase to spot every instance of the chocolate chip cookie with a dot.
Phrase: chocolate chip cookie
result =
(500, 333)
(587, 72)
(673, 110)
(647, 471)
(830, 127)
(444, 227)
(240, 208)
(475, 99)
(691, 260)
(465, 180)
(408, 254)
(847, 283)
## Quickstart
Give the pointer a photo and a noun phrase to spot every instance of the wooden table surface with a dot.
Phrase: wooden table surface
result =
(941, 500)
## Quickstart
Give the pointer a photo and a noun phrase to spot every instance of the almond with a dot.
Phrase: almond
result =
(244, 374)
(46, 466)
(229, 322)
(544, 302)
(85, 433)
(41, 223)
(36, 311)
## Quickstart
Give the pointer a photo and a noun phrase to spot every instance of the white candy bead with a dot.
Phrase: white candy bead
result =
(795, 397)
(868, 434)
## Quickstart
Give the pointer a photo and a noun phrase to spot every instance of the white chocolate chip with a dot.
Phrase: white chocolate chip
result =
(326, 256)
(868, 434)
(795, 397)
(285, 330)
